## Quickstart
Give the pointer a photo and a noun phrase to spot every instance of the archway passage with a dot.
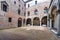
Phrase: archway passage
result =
(28, 21)
(36, 21)
(19, 22)
(44, 21)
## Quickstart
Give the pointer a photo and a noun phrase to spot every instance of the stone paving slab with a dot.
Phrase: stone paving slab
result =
(27, 33)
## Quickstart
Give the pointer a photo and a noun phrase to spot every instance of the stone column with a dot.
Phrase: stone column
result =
(25, 22)
(58, 21)
(22, 22)
(40, 22)
(48, 21)
(32, 22)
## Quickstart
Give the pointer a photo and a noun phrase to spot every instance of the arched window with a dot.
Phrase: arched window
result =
(28, 13)
(19, 11)
(4, 6)
(45, 10)
(36, 12)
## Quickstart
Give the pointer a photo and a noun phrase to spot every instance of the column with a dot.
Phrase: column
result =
(25, 22)
(48, 21)
(22, 22)
(40, 22)
(32, 22)
(58, 21)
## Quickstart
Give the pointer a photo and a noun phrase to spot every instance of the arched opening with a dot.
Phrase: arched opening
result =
(19, 22)
(45, 10)
(36, 21)
(28, 21)
(36, 12)
(54, 17)
(44, 21)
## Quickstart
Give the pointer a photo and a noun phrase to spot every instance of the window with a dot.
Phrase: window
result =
(28, 13)
(35, 2)
(36, 12)
(14, 2)
(19, 11)
(10, 19)
(4, 6)
(19, 0)
(28, 5)
(19, 5)
(45, 10)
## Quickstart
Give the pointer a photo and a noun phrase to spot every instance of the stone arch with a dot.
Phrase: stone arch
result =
(19, 22)
(36, 21)
(44, 21)
(28, 21)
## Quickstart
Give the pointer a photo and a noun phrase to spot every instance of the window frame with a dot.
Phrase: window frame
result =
(4, 3)
(9, 19)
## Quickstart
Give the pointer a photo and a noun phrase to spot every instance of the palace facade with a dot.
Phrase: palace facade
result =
(36, 15)
(12, 13)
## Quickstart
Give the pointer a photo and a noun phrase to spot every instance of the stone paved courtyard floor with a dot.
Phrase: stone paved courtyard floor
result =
(27, 33)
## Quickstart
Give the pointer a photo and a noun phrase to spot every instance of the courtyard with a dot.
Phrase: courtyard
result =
(27, 33)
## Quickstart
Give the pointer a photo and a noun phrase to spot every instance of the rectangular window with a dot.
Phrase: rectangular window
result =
(14, 2)
(28, 13)
(19, 11)
(10, 19)
(4, 6)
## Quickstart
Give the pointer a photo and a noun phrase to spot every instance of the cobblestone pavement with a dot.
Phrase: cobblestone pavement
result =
(59, 38)
(27, 33)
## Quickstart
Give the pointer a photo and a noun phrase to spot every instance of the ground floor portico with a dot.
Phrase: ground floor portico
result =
(36, 21)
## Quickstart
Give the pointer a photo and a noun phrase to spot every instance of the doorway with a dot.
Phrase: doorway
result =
(19, 22)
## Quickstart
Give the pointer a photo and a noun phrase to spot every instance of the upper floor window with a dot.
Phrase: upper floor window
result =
(19, 0)
(28, 13)
(14, 2)
(28, 5)
(45, 10)
(4, 6)
(36, 12)
(19, 11)
(19, 5)
(35, 2)
(10, 19)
